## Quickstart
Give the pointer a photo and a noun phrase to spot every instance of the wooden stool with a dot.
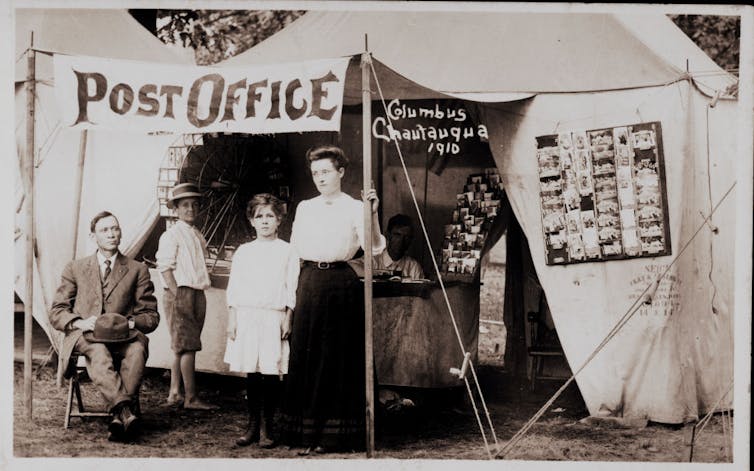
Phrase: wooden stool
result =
(78, 365)
(539, 350)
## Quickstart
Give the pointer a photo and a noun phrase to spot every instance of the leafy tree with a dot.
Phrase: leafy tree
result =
(717, 36)
(216, 35)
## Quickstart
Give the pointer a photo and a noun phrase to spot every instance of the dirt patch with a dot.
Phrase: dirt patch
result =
(441, 426)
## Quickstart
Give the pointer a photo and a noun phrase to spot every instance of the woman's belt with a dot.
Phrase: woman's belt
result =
(324, 265)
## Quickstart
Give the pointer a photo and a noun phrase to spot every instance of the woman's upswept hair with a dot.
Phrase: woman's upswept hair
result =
(265, 199)
(335, 153)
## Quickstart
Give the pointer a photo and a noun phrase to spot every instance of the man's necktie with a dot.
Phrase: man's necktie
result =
(107, 271)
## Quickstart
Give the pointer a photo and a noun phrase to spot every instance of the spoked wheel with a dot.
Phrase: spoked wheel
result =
(229, 170)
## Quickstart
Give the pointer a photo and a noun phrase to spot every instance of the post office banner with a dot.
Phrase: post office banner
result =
(118, 94)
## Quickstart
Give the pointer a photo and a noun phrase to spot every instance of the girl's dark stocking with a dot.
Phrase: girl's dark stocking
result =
(254, 404)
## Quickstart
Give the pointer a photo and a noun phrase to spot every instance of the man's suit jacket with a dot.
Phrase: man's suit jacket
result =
(129, 292)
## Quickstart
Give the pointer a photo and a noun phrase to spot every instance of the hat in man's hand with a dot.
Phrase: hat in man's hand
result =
(184, 190)
(110, 327)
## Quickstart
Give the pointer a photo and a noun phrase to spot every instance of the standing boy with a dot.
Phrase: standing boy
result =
(181, 262)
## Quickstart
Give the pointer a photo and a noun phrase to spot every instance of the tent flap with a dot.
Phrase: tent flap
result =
(673, 360)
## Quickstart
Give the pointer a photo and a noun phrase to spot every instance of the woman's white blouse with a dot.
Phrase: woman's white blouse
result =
(264, 275)
(330, 231)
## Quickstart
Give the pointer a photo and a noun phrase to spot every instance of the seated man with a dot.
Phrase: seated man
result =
(99, 295)
(400, 234)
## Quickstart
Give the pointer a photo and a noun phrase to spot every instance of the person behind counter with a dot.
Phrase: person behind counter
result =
(400, 234)
(261, 296)
(181, 262)
(323, 405)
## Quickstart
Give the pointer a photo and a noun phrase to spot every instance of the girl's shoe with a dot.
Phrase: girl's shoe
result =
(251, 435)
(265, 435)
(266, 442)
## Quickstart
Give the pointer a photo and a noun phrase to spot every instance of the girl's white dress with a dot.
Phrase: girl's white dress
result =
(263, 279)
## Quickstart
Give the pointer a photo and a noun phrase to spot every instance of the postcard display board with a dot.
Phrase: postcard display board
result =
(603, 194)
(476, 208)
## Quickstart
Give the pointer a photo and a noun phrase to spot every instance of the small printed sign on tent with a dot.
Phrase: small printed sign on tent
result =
(602, 194)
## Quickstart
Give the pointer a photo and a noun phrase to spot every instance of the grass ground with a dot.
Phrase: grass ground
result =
(439, 427)
(491, 331)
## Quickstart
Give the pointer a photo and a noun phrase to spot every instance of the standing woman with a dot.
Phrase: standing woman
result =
(324, 400)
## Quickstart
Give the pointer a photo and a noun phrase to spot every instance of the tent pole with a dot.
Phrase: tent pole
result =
(29, 225)
(367, 183)
(76, 220)
(79, 183)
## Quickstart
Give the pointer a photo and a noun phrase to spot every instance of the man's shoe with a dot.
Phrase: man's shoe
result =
(116, 428)
(129, 420)
(136, 407)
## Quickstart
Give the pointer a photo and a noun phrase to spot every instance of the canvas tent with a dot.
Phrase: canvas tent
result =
(669, 364)
(493, 57)
(674, 360)
(114, 163)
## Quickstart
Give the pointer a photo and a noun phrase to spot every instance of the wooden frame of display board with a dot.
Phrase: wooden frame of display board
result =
(603, 194)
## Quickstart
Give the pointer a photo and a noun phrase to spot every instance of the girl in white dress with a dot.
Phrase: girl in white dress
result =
(261, 295)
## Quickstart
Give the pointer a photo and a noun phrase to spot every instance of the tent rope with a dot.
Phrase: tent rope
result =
(644, 297)
(711, 91)
(712, 227)
(21, 56)
(478, 419)
(439, 278)
(42, 149)
(49, 52)
(632, 108)
(714, 230)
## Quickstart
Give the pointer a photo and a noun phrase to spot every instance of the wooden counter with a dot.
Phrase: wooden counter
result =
(414, 340)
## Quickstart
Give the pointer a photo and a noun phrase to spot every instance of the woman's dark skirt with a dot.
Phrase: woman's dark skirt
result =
(324, 400)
